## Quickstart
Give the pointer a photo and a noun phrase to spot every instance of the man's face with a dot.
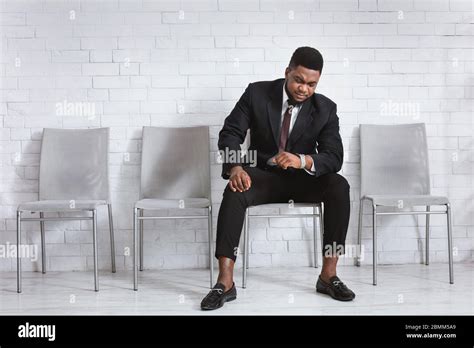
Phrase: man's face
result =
(301, 82)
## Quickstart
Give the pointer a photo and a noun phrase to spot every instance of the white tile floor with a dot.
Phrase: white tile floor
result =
(403, 289)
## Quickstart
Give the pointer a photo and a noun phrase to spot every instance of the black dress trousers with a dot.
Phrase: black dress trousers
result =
(276, 185)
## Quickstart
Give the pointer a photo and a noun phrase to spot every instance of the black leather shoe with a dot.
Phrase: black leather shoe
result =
(335, 288)
(217, 297)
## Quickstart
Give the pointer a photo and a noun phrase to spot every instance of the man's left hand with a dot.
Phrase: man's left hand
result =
(285, 160)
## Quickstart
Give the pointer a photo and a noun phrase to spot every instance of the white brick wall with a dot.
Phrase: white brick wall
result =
(182, 63)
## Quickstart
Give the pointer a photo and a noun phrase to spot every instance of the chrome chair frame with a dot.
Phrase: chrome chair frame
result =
(428, 212)
(42, 220)
(315, 215)
(138, 220)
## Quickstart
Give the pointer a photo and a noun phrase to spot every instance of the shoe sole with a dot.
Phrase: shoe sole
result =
(324, 291)
(227, 299)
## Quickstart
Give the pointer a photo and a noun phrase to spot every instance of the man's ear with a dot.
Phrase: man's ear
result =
(287, 71)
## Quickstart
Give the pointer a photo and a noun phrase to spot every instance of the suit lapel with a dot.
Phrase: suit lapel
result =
(274, 109)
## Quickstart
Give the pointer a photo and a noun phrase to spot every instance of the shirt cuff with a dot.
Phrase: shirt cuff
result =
(313, 170)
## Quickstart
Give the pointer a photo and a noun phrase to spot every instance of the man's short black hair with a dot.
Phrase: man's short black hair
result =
(307, 57)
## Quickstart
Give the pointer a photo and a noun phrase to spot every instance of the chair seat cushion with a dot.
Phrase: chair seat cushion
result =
(154, 204)
(407, 200)
(61, 205)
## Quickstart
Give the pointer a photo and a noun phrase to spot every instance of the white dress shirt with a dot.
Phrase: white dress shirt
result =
(294, 115)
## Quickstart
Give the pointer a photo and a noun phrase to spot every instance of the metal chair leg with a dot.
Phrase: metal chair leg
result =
(359, 231)
(315, 239)
(244, 267)
(247, 246)
(43, 245)
(211, 241)
(140, 224)
(427, 241)
(321, 228)
(112, 239)
(374, 239)
(18, 258)
(135, 249)
(94, 237)
(450, 243)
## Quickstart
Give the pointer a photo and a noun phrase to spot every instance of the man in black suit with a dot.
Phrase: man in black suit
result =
(288, 121)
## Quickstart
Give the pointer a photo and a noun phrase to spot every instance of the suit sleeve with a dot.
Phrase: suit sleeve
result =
(312, 170)
(330, 150)
(233, 133)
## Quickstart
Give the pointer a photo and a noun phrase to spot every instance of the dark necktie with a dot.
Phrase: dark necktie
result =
(285, 129)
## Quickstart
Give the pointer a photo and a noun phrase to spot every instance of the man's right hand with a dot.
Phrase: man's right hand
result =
(239, 179)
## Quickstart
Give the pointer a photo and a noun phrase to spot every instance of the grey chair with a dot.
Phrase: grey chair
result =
(175, 173)
(318, 212)
(73, 177)
(395, 173)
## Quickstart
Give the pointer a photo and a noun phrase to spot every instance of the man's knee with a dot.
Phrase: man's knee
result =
(234, 195)
(337, 184)
(229, 193)
(257, 177)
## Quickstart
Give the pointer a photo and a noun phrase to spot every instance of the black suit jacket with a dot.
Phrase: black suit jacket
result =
(315, 132)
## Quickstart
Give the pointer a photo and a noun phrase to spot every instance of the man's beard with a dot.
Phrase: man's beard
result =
(292, 101)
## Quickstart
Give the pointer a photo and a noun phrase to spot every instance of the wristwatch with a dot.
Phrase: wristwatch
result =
(303, 161)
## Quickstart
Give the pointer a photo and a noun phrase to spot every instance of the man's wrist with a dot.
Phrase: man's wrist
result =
(235, 169)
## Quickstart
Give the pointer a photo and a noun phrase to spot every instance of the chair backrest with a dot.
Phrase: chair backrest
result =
(74, 164)
(175, 163)
(394, 159)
